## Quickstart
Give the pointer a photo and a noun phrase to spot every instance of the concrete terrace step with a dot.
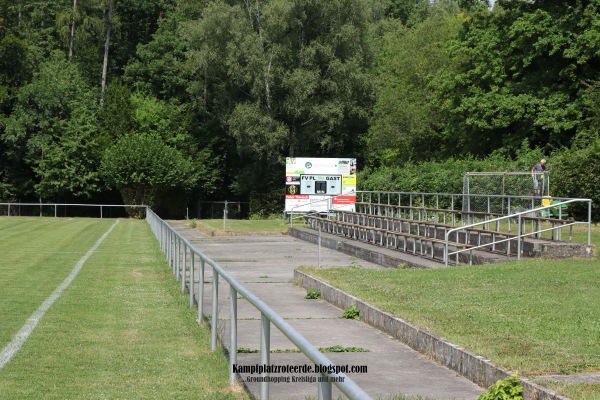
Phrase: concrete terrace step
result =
(381, 255)
(426, 240)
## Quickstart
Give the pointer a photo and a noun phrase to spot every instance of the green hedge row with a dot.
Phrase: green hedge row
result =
(574, 173)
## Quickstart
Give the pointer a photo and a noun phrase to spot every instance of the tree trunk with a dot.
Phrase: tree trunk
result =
(72, 38)
(106, 47)
(293, 133)
(255, 16)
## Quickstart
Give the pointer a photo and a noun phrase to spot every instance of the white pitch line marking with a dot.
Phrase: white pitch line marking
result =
(21, 337)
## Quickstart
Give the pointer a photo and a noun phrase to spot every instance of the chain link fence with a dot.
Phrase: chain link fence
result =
(504, 192)
(221, 210)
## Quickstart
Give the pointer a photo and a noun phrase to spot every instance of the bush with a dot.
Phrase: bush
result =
(508, 389)
(352, 313)
(145, 169)
(312, 294)
(264, 205)
(576, 174)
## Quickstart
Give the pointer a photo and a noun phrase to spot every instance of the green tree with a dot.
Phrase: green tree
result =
(71, 160)
(158, 67)
(165, 119)
(406, 123)
(521, 75)
(116, 116)
(282, 78)
(56, 109)
(144, 169)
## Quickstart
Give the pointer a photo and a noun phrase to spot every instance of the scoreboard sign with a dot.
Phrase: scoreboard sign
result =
(318, 184)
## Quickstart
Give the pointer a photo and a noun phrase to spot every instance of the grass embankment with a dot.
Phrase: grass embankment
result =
(535, 317)
(121, 330)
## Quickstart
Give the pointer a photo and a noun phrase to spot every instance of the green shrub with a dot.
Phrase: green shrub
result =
(352, 312)
(144, 169)
(508, 389)
(312, 294)
(575, 173)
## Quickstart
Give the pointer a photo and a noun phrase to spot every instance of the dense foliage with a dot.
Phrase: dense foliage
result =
(419, 92)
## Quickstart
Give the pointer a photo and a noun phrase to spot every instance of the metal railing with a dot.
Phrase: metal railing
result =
(176, 249)
(328, 207)
(471, 207)
(520, 216)
(60, 209)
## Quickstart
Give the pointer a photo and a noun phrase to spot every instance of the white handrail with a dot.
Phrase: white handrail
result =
(520, 235)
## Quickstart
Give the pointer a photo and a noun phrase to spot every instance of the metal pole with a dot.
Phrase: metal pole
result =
(509, 214)
(520, 227)
(169, 257)
(215, 311)
(224, 214)
(162, 239)
(324, 389)
(265, 353)
(177, 258)
(192, 256)
(233, 332)
(319, 247)
(201, 292)
(183, 268)
(100, 212)
(589, 242)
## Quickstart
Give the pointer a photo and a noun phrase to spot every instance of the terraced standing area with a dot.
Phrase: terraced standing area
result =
(118, 329)
(536, 317)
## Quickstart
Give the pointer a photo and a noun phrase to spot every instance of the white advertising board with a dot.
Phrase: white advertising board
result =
(317, 184)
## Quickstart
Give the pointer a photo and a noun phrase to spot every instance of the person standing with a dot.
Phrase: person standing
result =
(537, 173)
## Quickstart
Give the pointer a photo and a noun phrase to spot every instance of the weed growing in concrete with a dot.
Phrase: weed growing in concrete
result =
(352, 312)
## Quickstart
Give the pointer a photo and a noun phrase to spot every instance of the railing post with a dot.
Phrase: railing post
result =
(163, 241)
(192, 256)
(324, 390)
(233, 333)
(177, 258)
(173, 243)
(509, 214)
(446, 249)
(215, 311)
(201, 292)
(170, 248)
(319, 248)
(183, 268)
(520, 232)
(589, 242)
(265, 353)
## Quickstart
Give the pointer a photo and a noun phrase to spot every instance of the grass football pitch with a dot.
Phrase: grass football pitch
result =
(117, 327)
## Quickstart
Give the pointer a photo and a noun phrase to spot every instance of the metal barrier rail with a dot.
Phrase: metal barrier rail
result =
(328, 203)
(520, 235)
(493, 203)
(56, 205)
(176, 248)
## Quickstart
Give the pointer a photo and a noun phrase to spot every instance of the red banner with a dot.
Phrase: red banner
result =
(344, 200)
